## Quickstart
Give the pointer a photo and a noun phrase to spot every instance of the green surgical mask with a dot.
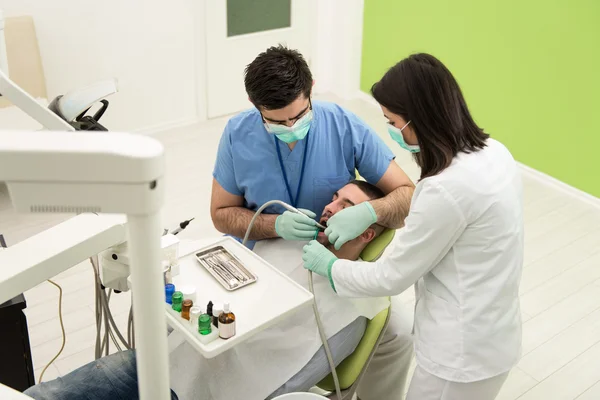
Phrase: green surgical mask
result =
(396, 134)
(289, 134)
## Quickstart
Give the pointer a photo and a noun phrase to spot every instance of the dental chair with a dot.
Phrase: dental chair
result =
(353, 368)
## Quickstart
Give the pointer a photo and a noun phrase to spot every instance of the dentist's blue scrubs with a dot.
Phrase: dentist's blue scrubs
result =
(254, 164)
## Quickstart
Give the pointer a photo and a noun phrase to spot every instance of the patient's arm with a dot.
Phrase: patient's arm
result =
(392, 209)
(229, 216)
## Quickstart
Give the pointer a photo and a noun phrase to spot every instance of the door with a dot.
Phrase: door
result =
(236, 32)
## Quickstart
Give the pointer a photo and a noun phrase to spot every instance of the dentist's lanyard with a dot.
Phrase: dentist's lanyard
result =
(293, 200)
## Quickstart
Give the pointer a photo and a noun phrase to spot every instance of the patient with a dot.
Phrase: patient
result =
(287, 357)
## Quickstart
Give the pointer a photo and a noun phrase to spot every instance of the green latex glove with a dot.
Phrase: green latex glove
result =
(293, 226)
(350, 223)
(318, 259)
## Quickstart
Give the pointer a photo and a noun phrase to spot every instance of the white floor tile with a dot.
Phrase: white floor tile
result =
(556, 239)
(517, 383)
(48, 309)
(592, 393)
(571, 380)
(72, 322)
(551, 322)
(561, 349)
(76, 342)
(68, 364)
(561, 286)
(559, 261)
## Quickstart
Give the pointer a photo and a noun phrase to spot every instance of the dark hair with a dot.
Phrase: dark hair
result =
(422, 90)
(277, 77)
(372, 191)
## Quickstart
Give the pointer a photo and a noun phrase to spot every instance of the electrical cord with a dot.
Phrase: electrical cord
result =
(320, 327)
(62, 328)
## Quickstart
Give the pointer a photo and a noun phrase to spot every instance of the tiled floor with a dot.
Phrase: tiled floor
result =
(560, 290)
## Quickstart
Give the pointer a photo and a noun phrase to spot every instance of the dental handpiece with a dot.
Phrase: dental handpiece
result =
(295, 210)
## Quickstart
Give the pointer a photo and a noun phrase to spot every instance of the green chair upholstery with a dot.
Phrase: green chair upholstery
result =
(351, 369)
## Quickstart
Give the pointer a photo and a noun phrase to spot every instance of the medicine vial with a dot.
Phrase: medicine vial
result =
(195, 313)
(185, 309)
(169, 290)
(216, 311)
(226, 323)
(204, 324)
(176, 301)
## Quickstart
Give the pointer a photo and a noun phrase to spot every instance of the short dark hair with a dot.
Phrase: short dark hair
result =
(372, 191)
(277, 77)
(422, 90)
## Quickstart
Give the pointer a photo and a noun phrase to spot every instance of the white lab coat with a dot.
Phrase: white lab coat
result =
(462, 247)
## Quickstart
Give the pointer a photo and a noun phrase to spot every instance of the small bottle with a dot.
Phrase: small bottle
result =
(204, 327)
(216, 311)
(185, 309)
(226, 323)
(195, 313)
(176, 300)
(189, 292)
(209, 308)
(169, 290)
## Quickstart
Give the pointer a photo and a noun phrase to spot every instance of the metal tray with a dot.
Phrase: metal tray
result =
(226, 268)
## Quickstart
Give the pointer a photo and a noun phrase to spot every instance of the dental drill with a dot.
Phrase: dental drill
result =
(320, 327)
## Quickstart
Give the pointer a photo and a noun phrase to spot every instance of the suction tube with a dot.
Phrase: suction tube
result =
(336, 381)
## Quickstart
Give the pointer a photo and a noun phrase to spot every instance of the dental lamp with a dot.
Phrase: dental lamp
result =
(99, 172)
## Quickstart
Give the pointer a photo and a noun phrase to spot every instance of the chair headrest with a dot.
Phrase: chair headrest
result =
(375, 249)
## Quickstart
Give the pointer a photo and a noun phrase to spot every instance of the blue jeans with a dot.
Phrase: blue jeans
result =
(114, 377)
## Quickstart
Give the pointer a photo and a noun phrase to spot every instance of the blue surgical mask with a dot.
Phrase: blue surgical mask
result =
(396, 134)
(289, 134)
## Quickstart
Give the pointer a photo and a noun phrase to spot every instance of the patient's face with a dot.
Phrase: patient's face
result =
(348, 196)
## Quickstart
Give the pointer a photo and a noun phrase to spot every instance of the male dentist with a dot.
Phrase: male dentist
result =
(300, 151)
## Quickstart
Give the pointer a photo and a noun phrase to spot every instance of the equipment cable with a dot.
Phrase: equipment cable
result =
(321, 329)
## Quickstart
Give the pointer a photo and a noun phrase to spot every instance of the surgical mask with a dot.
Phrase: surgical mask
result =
(396, 134)
(289, 134)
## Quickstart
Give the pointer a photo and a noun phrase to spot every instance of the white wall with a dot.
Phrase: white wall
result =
(148, 45)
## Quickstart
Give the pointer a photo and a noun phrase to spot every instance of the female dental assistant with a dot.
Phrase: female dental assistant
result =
(462, 244)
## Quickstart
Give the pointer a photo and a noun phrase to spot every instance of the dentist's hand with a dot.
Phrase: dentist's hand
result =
(318, 259)
(350, 223)
(293, 226)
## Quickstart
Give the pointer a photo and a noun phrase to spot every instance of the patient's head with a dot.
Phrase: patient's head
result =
(350, 195)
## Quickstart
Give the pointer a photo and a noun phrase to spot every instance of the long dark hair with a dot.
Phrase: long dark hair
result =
(422, 90)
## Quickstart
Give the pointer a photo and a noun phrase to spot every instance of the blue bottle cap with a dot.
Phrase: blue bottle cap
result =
(169, 290)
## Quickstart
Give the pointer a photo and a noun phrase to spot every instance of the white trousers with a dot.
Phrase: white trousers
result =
(385, 379)
(425, 386)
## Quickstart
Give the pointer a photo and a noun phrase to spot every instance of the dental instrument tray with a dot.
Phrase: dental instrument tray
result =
(226, 268)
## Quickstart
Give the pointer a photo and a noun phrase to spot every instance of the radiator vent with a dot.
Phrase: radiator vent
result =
(64, 209)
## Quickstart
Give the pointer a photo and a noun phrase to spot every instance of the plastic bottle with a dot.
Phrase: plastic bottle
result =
(204, 327)
(216, 311)
(169, 290)
(195, 313)
(176, 301)
(226, 323)
(185, 308)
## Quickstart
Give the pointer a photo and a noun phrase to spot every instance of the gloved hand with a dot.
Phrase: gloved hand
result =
(294, 226)
(318, 259)
(350, 223)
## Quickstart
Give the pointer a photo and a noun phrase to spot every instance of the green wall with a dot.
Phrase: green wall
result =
(530, 71)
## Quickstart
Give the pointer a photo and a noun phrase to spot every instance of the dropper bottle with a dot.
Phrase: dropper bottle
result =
(226, 323)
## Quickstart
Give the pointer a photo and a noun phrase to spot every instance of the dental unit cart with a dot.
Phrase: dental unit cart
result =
(273, 291)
